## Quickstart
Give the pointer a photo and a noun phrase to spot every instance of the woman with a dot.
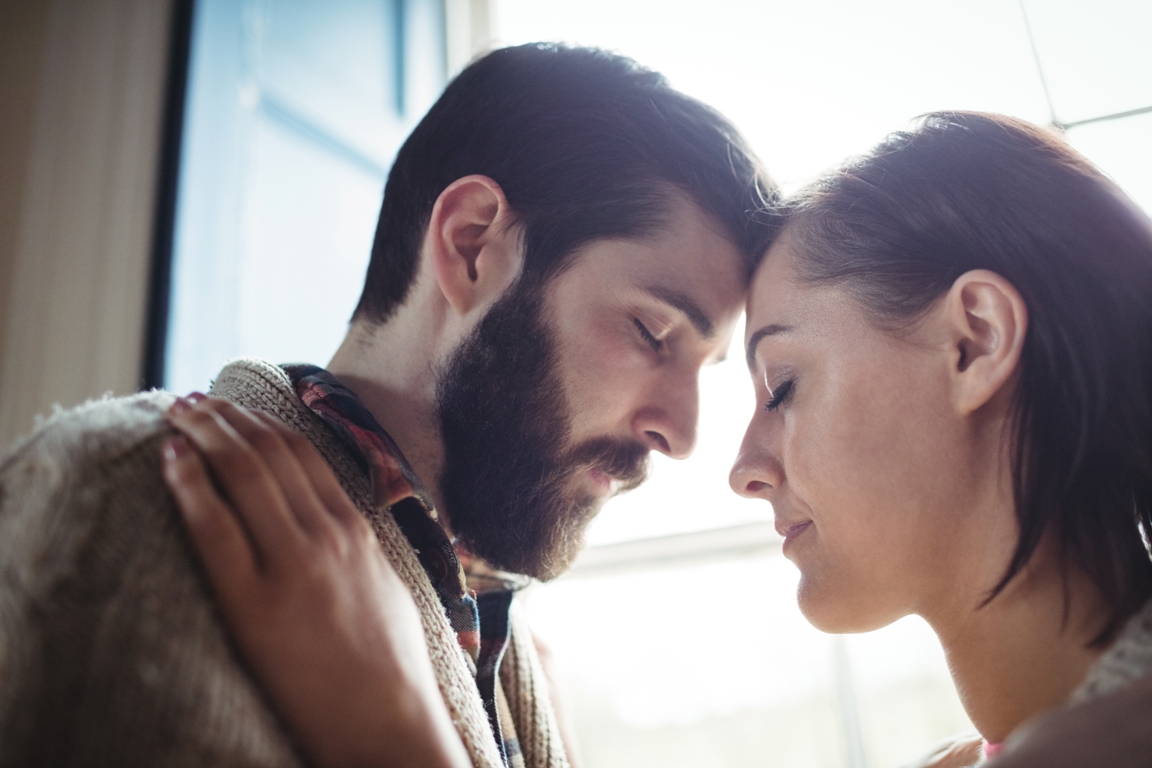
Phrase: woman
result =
(951, 343)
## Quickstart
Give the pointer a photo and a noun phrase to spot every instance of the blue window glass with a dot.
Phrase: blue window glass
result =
(294, 112)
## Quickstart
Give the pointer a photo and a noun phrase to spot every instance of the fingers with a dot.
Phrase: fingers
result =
(307, 482)
(224, 547)
(271, 446)
(244, 478)
(317, 470)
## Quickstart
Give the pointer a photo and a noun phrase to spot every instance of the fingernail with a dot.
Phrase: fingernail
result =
(175, 449)
(197, 397)
(180, 406)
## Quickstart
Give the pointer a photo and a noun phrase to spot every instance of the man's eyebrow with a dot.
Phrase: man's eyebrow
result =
(768, 330)
(700, 321)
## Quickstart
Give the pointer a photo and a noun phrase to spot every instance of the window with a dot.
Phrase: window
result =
(293, 114)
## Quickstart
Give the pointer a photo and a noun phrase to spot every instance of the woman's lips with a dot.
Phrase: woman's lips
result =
(790, 531)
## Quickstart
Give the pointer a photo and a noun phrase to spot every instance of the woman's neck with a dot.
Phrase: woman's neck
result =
(1027, 650)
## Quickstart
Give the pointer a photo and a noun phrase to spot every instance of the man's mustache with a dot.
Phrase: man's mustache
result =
(626, 461)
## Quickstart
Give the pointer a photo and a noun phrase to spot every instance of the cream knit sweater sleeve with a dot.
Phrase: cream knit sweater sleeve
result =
(110, 650)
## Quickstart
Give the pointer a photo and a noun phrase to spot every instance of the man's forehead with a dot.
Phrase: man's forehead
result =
(688, 264)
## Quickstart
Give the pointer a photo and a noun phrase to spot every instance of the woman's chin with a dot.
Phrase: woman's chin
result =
(841, 612)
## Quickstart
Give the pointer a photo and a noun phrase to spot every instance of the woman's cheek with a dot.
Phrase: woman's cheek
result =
(815, 463)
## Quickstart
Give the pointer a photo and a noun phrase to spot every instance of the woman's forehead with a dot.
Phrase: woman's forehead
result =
(774, 288)
(819, 312)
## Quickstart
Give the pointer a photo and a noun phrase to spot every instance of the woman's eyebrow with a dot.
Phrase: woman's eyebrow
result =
(754, 341)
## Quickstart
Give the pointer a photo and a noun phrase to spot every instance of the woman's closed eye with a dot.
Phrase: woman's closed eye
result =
(646, 334)
(780, 395)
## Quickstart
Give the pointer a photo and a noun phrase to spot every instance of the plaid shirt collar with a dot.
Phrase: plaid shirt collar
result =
(476, 597)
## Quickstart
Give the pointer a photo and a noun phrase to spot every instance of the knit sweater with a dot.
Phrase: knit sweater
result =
(1126, 660)
(111, 649)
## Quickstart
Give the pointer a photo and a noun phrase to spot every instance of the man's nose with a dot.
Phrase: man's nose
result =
(667, 421)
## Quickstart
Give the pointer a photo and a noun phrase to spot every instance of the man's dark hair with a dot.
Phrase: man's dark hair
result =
(968, 191)
(586, 145)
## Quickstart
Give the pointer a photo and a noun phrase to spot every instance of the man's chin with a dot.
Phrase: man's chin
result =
(544, 541)
(592, 488)
(568, 539)
(548, 552)
(552, 565)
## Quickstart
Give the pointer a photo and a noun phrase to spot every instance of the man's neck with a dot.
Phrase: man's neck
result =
(1027, 650)
(390, 375)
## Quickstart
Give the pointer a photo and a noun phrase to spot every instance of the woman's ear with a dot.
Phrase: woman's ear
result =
(988, 320)
(472, 243)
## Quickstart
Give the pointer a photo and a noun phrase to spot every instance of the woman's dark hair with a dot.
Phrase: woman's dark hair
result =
(585, 144)
(965, 191)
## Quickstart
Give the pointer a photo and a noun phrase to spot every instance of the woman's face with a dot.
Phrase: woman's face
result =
(871, 473)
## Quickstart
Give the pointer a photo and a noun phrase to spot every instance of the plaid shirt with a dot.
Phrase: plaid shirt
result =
(476, 598)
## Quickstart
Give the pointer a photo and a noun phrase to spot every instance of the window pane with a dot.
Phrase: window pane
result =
(308, 226)
(810, 82)
(905, 696)
(699, 665)
(713, 664)
(1123, 149)
(1096, 56)
(294, 111)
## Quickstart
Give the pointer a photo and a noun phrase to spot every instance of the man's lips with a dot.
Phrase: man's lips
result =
(600, 479)
(611, 465)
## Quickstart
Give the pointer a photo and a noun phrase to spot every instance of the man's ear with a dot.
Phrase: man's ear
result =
(475, 251)
(988, 320)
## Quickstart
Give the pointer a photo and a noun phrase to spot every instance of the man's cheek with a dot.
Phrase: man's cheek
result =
(600, 386)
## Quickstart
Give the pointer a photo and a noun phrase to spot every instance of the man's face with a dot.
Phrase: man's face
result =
(554, 403)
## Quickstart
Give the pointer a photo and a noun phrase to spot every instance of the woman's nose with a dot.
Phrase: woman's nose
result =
(756, 473)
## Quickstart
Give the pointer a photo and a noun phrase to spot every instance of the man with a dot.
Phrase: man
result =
(564, 242)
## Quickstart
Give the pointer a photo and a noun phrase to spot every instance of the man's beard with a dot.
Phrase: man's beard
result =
(515, 493)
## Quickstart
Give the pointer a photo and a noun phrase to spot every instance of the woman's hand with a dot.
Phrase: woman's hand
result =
(325, 623)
